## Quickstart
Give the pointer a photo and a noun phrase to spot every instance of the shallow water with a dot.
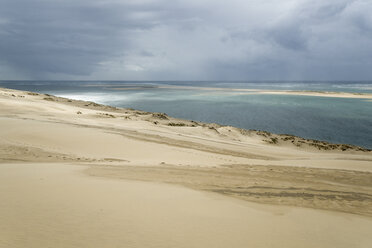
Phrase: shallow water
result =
(337, 120)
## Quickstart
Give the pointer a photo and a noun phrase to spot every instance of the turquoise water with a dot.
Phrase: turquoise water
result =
(337, 120)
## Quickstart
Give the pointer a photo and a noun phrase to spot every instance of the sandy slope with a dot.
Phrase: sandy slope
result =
(61, 160)
(49, 205)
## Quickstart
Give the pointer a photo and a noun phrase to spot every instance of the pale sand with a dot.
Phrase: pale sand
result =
(237, 91)
(56, 205)
(270, 92)
(320, 94)
(61, 161)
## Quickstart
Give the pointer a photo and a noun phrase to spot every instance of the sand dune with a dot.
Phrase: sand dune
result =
(56, 205)
(81, 174)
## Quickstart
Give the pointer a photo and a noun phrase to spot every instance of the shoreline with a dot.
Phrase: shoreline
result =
(271, 138)
(72, 171)
(148, 135)
(242, 91)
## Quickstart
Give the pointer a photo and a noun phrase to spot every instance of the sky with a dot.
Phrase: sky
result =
(186, 39)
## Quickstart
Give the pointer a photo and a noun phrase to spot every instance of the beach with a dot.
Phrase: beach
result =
(238, 91)
(81, 174)
(325, 111)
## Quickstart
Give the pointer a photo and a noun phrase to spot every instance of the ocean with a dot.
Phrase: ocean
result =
(336, 120)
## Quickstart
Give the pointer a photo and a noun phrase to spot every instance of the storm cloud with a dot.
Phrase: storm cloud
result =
(186, 40)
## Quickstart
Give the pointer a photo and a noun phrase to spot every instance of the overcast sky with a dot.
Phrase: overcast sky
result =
(186, 39)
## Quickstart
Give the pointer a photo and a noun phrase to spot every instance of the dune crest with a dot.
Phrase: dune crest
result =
(46, 141)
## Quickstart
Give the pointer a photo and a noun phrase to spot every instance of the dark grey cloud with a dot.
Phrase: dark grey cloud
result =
(194, 39)
(68, 37)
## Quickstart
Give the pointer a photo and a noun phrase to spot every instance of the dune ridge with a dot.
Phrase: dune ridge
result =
(195, 146)
(121, 146)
